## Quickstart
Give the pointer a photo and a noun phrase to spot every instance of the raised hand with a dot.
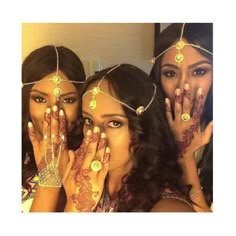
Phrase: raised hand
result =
(51, 154)
(85, 182)
(186, 128)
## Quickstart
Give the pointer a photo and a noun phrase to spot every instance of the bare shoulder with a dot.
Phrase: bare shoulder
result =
(171, 205)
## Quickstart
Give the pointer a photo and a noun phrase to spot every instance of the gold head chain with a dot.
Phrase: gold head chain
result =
(56, 79)
(95, 90)
(179, 57)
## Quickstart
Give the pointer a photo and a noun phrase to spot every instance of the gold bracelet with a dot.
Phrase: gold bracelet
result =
(195, 193)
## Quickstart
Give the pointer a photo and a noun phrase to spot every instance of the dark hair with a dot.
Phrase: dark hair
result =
(153, 147)
(198, 34)
(38, 64)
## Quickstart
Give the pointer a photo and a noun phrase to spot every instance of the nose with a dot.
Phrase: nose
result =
(55, 101)
(183, 79)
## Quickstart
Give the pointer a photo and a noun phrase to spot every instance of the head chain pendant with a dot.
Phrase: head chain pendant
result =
(96, 90)
(179, 57)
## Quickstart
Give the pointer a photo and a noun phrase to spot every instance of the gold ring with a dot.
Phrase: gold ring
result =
(96, 165)
(185, 117)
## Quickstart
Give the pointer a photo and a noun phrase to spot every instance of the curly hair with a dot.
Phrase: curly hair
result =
(38, 64)
(198, 34)
(152, 149)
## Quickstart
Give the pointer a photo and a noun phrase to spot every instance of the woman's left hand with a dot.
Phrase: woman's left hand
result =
(186, 128)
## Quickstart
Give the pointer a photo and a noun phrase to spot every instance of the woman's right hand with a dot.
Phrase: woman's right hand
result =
(51, 152)
(84, 184)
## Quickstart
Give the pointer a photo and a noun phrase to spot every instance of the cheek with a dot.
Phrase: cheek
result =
(37, 117)
(169, 88)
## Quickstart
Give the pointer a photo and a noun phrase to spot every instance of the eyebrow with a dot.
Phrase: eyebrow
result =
(189, 67)
(105, 115)
(46, 94)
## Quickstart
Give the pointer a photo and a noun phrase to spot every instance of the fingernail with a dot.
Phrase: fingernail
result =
(89, 132)
(48, 110)
(107, 150)
(167, 100)
(96, 129)
(61, 113)
(177, 92)
(103, 135)
(54, 108)
(30, 125)
(186, 86)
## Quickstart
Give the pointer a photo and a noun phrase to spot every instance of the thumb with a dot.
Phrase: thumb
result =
(207, 133)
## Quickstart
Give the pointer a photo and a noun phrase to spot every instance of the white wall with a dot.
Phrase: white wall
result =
(98, 45)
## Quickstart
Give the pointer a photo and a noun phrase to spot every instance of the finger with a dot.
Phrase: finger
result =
(178, 104)
(55, 125)
(105, 165)
(168, 112)
(62, 129)
(69, 166)
(198, 106)
(47, 124)
(81, 152)
(97, 162)
(186, 99)
(206, 136)
(91, 148)
(32, 137)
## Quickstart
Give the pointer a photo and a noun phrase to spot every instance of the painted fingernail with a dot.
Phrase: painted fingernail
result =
(96, 129)
(103, 135)
(167, 101)
(30, 125)
(199, 91)
(186, 86)
(177, 92)
(89, 132)
(54, 108)
(61, 113)
(48, 110)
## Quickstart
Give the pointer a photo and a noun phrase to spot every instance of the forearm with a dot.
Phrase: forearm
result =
(46, 199)
(190, 176)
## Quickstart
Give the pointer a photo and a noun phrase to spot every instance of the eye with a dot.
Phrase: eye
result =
(199, 72)
(114, 124)
(69, 100)
(169, 73)
(39, 99)
(88, 122)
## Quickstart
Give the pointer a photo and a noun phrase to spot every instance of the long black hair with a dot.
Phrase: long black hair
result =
(198, 34)
(152, 147)
(38, 64)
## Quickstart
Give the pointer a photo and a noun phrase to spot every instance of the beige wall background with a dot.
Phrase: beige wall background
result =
(98, 45)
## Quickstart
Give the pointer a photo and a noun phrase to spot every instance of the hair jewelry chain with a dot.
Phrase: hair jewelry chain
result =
(179, 57)
(95, 90)
(56, 79)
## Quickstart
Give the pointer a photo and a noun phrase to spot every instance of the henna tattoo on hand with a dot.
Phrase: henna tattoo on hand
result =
(84, 200)
(188, 134)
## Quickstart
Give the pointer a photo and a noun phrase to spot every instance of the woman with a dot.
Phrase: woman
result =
(128, 159)
(183, 69)
(51, 78)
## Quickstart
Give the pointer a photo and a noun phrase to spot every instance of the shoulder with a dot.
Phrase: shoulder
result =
(171, 205)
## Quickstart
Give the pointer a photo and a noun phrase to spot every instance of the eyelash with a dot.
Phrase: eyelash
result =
(39, 99)
(115, 124)
(173, 74)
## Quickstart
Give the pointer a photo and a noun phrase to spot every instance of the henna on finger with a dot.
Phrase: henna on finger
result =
(178, 96)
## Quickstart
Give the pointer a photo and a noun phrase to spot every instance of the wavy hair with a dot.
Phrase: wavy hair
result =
(38, 64)
(152, 147)
(198, 34)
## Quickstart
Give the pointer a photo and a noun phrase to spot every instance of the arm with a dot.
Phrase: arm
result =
(51, 157)
(171, 205)
(189, 138)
